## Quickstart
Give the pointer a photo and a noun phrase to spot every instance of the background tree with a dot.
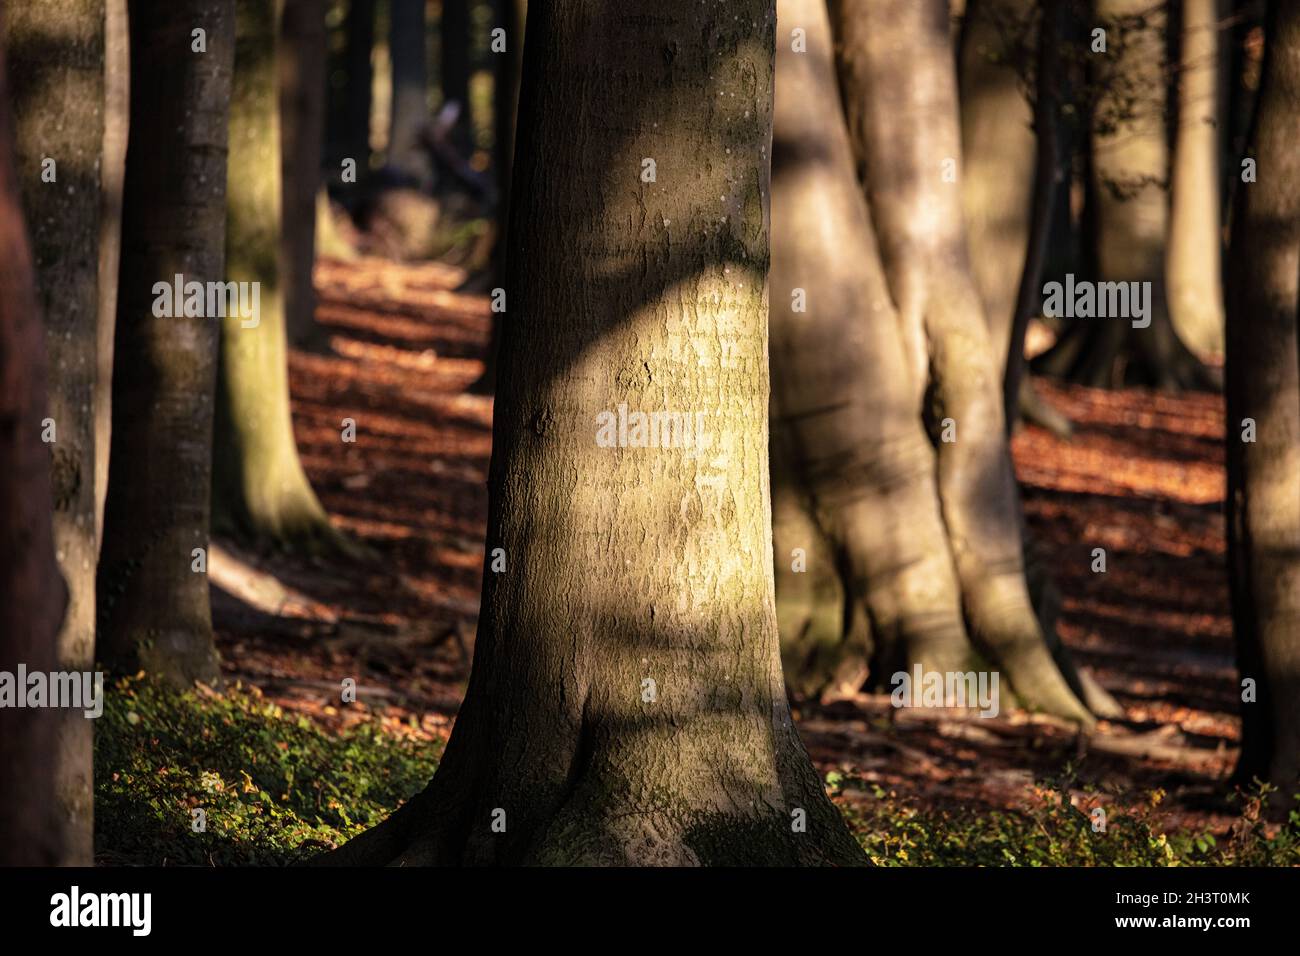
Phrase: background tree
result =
(32, 595)
(302, 107)
(454, 30)
(153, 607)
(409, 113)
(1263, 391)
(626, 701)
(56, 64)
(260, 490)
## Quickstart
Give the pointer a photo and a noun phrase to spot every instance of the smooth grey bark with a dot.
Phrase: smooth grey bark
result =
(56, 63)
(898, 78)
(154, 611)
(628, 565)
(32, 594)
(1263, 385)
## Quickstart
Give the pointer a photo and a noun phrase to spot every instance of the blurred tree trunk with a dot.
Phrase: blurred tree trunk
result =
(511, 16)
(302, 106)
(117, 106)
(857, 528)
(626, 702)
(32, 594)
(901, 141)
(260, 491)
(153, 606)
(410, 109)
(355, 134)
(454, 30)
(56, 63)
(1263, 385)
(1195, 234)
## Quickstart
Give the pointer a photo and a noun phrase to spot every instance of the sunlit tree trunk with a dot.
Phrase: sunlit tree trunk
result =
(56, 63)
(626, 701)
(153, 605)
(260, 490)
(32, 595)
(898, 78)
(1195, 235)
(1263, 390)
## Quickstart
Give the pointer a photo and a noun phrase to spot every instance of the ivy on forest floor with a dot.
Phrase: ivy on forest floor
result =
(276, 788)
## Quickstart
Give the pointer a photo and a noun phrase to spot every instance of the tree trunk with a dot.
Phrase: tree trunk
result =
(302, 104)
(56, 59)
(902, 140)
(410, 109)
(117, 105)
(626, 702)
(32, 595)
(355, 133)
(1195, 234)
(511, 15)
(260, 491)
(455, 68)
(998, 146)
(1263, 384)
(853, 469)
(153, 607)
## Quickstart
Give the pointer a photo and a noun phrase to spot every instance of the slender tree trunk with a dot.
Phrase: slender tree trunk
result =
(410, 109)
(858, 516)
(454, 30)
(260, 490)
(626, 702)
(56, 61)
(153, 606)
(302, 104)
(998, 146)
(1263, 385)
(511, 15)
(32, 594)
(117, 106)
(1195, 234)
(902, 140)
(355, 132)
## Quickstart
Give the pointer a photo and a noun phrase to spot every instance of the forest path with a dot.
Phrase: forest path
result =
(1142, 478)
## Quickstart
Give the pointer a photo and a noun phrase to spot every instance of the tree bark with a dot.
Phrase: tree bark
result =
(32, 594)
(153, 608)
(302, 105)
(410, 110)
(629, 565)
(901, 140)
(1263, 384)
(1195, 231)
(260, 491)
(56, 59)
(454, 30)
(360, 45)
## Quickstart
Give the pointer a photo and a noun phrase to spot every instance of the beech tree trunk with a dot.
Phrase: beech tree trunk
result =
(56, 61)
(410, 110)
(1263, 385)
(153, 607)
(302, 105)
(454, 30)
(260, 491)
(1195, 231)
(898, 78)
(32, 594)
(626, 701)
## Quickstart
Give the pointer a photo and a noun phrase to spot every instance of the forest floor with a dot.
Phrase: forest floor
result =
(1141, 478)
